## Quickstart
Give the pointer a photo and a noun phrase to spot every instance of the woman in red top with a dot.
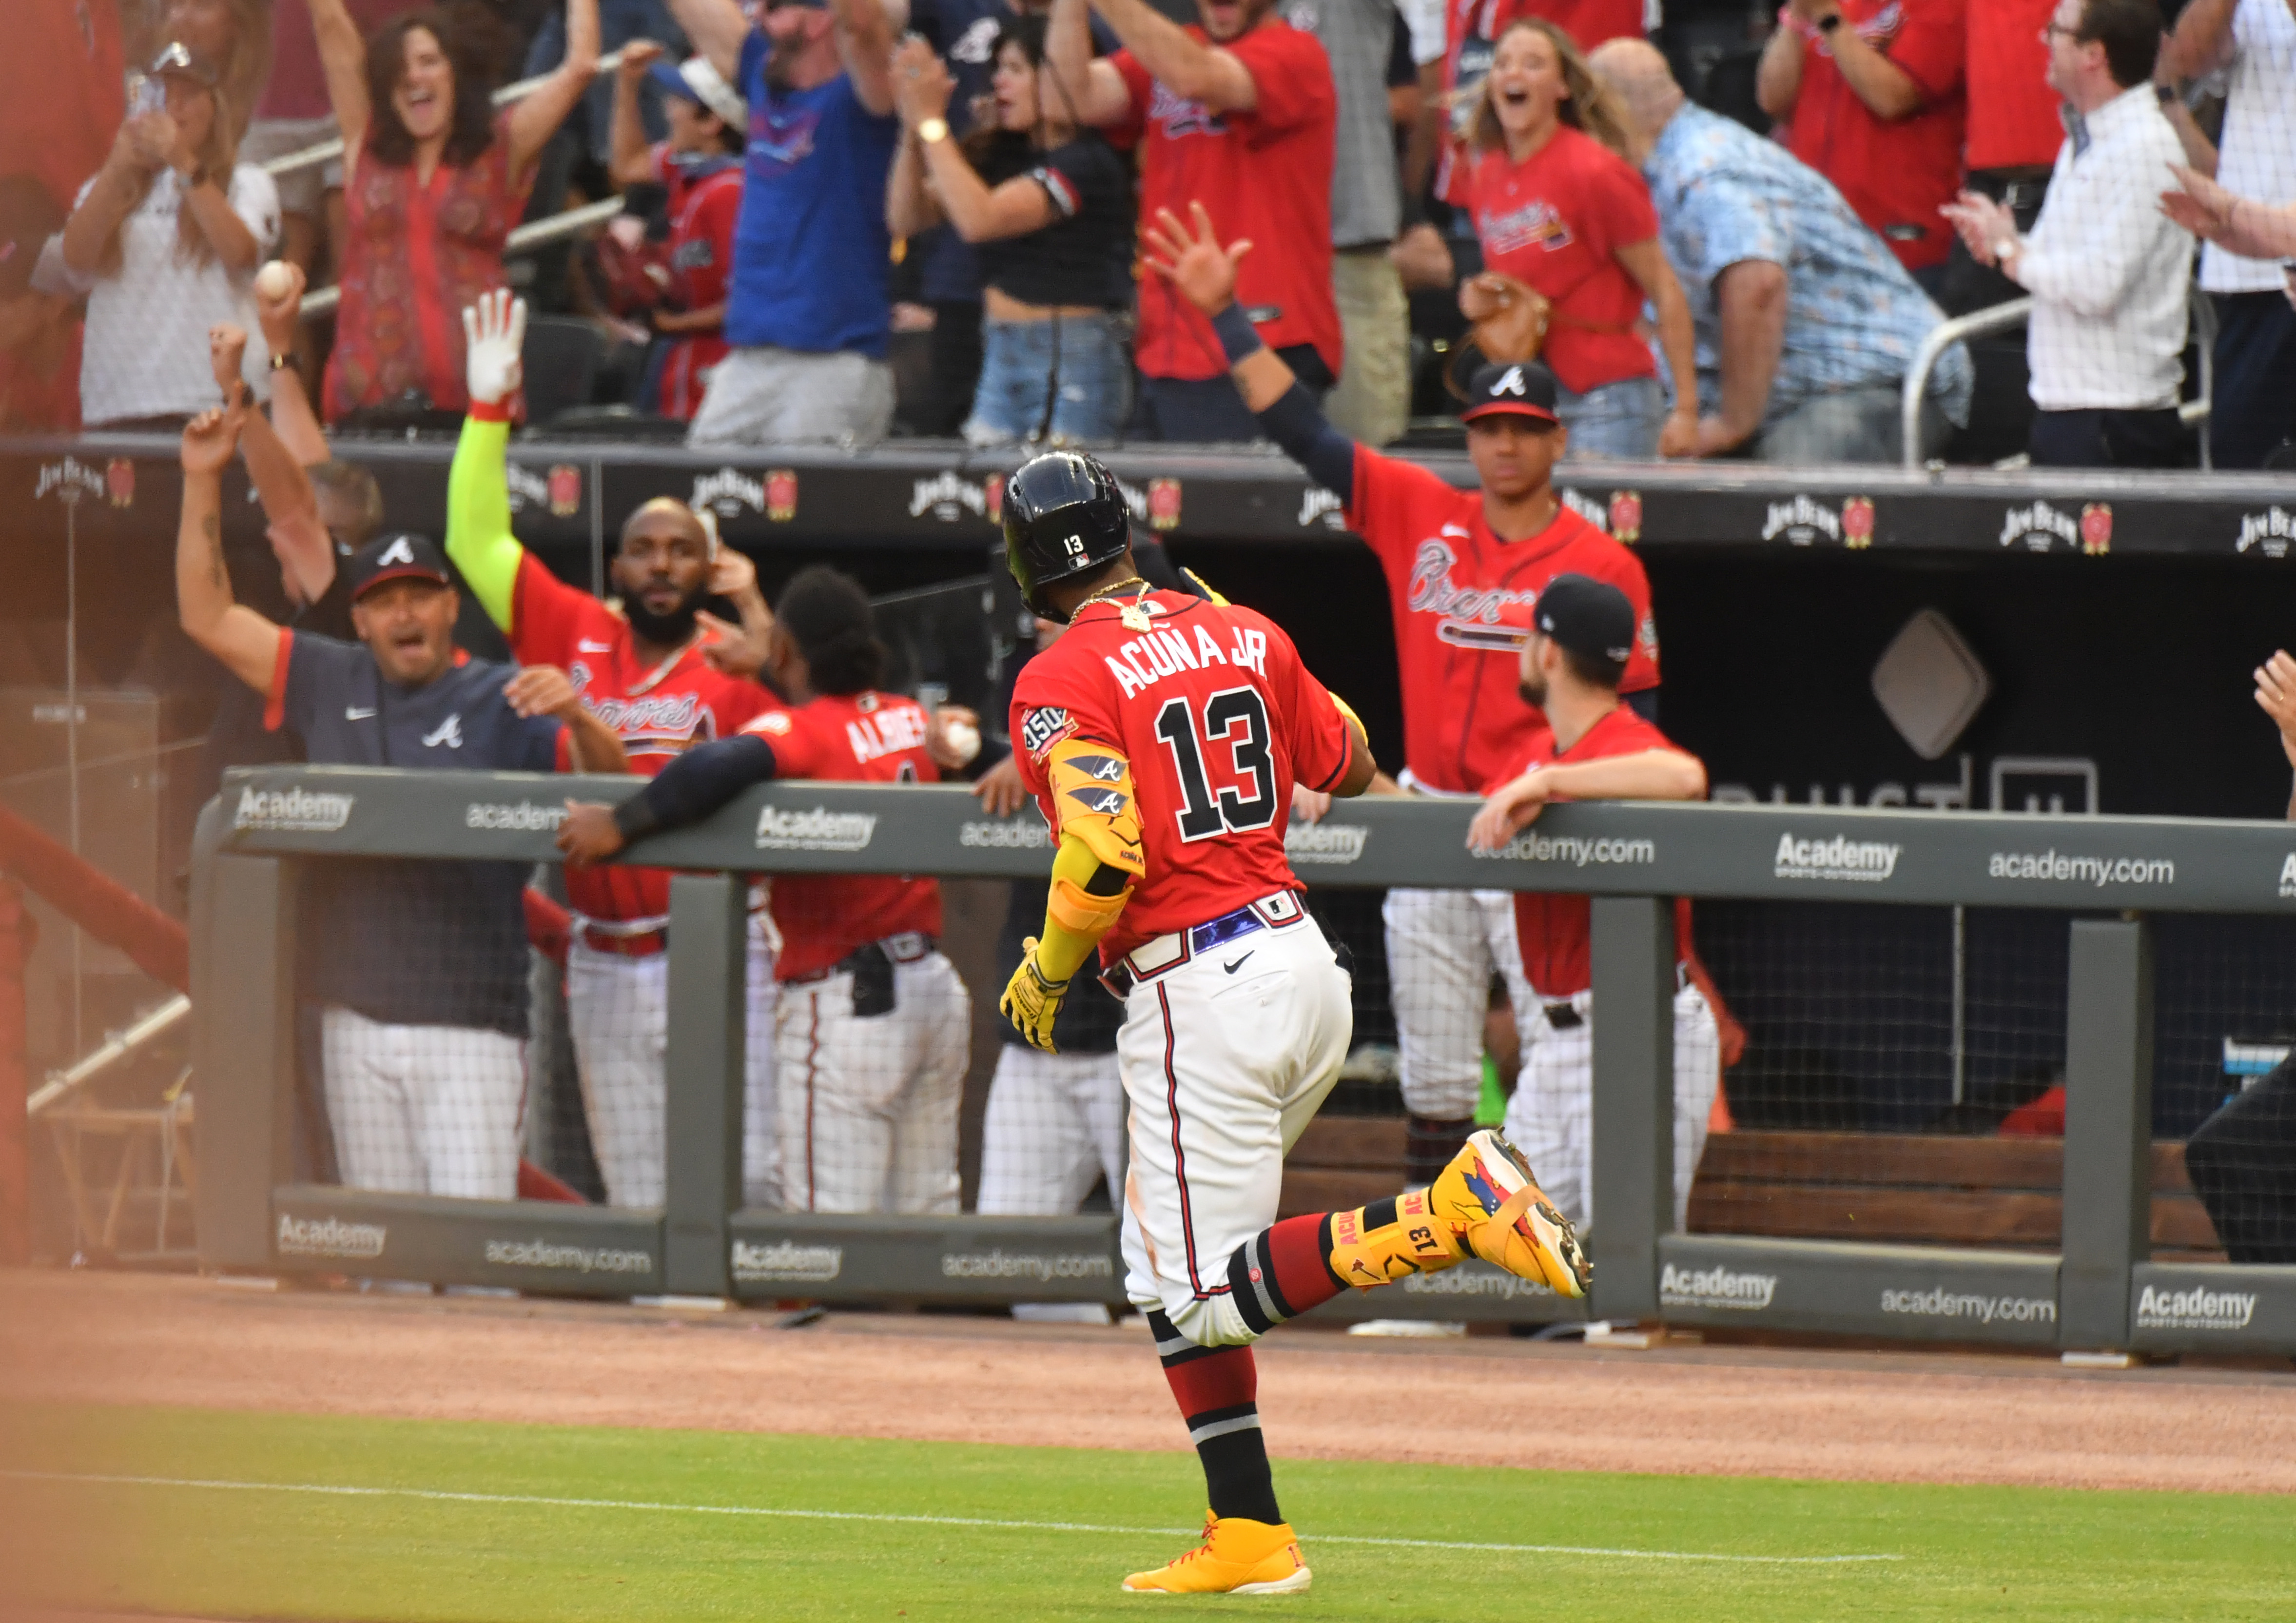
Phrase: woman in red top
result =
(433, 181)
(1555, 207)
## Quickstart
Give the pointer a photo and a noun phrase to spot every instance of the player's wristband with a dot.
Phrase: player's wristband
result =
(490, 411)
(1237, 336)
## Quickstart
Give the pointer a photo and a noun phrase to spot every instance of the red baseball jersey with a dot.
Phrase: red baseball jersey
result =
(1552, 929)
(2013, 119)
(1472, 28)
(1556, 221)
(661, 711)
(1448, 578)
(703, 213)
(847, 738)
(1894, 174)
(1264, 174)
(1218, 718)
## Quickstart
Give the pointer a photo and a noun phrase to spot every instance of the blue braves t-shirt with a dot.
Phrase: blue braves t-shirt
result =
(811, 252)
(409, 941)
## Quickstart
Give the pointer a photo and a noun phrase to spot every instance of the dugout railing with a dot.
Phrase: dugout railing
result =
(268, 825)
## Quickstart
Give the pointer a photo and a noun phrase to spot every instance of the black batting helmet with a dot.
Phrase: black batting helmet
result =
(1063, 516)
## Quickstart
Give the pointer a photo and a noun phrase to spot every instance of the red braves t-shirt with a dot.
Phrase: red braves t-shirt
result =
(1218, 718)
(847, 738)
(1447, 577)
(1895, 174)
(2013, 121)
(661, 711)
(1264, 174)
(1472, 28)
(703, 214)
(1556, 221)
(1552, 929)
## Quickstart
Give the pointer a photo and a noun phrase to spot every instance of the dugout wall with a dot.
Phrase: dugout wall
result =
(2099, 1290)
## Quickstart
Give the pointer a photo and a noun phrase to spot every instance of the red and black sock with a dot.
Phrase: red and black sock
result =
(1282, 1272)
(1218, 1390)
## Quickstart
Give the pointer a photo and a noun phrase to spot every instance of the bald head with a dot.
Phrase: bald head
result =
(665, 514)
(1638, 79)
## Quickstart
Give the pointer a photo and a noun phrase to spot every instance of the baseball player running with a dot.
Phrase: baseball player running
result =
(1591, 747)
(643, 671)
(1453, 561)
(873, 1027)
(1162, 735)
(420, 966)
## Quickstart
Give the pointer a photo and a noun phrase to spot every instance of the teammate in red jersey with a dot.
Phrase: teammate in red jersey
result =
(875, 1026)
(1454, 560)
(640, 670)
(1162, 735)
(1592, 747)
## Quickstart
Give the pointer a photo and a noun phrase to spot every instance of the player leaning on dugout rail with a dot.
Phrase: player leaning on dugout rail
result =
(1162, 735)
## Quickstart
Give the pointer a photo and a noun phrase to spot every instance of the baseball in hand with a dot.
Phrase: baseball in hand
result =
(964, 740)
(275, 281)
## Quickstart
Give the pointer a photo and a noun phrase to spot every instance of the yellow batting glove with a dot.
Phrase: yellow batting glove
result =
(1032, 1003)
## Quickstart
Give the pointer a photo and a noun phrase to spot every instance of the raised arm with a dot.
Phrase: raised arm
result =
(242, 641)
(633, 154)
(1091, 90)
(979, 212)
(1777, 76)
(292, 416)
(290, 505)
(137, 151)
(717, 28)
(479, 539)
(342, 59)
(864, 44)
(698, 782)
(1185, 66)
(2201, 42)
(534, 120)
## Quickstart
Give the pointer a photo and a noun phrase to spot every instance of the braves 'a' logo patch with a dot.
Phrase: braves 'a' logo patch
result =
(1107, 768)
(1107, 802)
(1044, 726)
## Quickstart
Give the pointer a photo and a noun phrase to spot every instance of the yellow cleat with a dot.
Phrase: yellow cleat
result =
(1489, 1191)
(1236, 1557)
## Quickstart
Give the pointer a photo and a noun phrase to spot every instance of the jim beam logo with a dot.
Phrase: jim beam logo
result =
(948, 496)
(1857, 523)
(291, 811)
(781, 495)
(786, 1262)
(1328, 844)
(2288, 878)
(1717, 1287)
(1163, 504)
(819, 830)
(559, 490)
(1857, 861)
(2097, 529)
(1626, 516)
(1801, 521)
(1595, 513)
(726, 493)
(1317, 503)
(2039, 528)
(328, 1237)
(2269, 532)
(2193, 1309)
(68, 480)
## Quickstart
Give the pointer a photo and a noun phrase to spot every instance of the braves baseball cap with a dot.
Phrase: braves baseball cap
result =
(1591, 617)
(175, 57)
(403, 557)
(697, 79)
(1518, 388)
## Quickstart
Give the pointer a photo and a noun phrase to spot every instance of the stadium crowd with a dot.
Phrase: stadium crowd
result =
(842, 220)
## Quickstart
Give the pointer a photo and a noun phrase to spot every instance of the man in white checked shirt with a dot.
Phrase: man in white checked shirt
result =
(2109, 272)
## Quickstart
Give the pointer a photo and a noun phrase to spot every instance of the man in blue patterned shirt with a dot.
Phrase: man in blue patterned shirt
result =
(1807, 323)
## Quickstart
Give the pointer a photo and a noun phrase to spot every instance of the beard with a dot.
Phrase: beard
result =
(1533, 691)
(670, 630)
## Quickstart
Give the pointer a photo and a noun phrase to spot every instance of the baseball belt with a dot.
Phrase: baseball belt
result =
(1166, 953)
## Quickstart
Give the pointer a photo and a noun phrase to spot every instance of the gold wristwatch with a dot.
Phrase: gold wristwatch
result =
(932, 130)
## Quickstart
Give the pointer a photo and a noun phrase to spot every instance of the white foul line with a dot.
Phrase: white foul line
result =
(941, 1521)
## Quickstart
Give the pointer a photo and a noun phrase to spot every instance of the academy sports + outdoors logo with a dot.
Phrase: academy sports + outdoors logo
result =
(786, 1261)
(1025, 833)
(291, 811)
(1330, 845)
(571, 1258)
(1866, 862)
(2193, 1309)
(328, 1237)
(2097, 871)
(516, 817)
(1943, 1304)
(819, 830)
(1023, 1264)
(1472, 1281)
(1572, 851)
(1715, 1287)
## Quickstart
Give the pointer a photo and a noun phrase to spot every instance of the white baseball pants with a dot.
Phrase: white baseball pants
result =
(1055, 1123)
(1551, 1118)
(868, 1106)
(617, 1008)
(1442, 947)
(424, 1110)
(1223, 1068)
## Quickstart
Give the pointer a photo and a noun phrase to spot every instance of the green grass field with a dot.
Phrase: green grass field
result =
(460, 1532)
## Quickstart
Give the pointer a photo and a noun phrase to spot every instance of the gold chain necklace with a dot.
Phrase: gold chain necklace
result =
(1135, 617)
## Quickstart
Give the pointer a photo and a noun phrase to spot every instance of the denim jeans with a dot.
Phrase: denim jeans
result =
(1083, 360)
(1618, 421)
(1857, 425)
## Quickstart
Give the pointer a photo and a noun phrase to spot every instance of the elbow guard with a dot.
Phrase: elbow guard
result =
(1097, 806)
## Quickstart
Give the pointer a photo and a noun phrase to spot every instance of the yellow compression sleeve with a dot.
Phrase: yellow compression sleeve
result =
(479, 539)
(1099, 859)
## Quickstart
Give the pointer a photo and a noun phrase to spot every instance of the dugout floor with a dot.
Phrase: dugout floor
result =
(1890, 1415)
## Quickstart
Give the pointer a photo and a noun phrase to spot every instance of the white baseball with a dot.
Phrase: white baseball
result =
(274, 281)
(964, 740)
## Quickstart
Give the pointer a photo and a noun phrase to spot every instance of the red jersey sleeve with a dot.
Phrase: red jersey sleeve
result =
(796, 751)
(1394, 502)
(545, 615)
(1315, 733)
(1932, 47)
(1617, 201)
(1127, 131)
(1049, 705)
(1290, 78)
